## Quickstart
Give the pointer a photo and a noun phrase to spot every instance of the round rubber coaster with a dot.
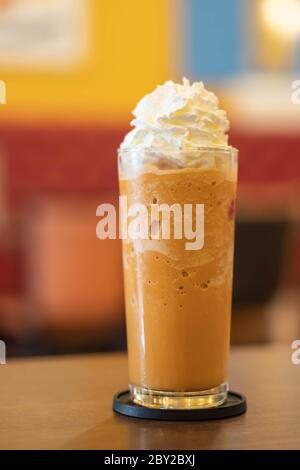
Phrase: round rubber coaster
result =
(234, 405)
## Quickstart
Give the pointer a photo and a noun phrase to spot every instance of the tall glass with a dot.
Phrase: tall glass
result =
(178, 300)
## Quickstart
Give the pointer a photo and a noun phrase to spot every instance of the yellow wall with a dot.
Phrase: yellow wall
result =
(128, 57)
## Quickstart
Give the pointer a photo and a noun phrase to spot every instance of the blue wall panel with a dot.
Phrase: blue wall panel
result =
(214, 38)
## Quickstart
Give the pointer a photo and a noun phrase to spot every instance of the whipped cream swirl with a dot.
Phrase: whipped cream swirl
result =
(178, 117)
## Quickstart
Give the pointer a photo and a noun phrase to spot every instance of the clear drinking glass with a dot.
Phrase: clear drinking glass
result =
(178, 300)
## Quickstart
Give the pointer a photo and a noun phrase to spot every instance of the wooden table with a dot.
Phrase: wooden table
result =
(65, 403)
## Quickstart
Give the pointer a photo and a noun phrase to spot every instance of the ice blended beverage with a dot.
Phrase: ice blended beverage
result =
(178, 290)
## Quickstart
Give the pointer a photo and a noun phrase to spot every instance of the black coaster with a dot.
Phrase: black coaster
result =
(234, 405)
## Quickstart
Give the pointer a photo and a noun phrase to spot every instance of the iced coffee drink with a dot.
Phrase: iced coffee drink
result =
(178, 290)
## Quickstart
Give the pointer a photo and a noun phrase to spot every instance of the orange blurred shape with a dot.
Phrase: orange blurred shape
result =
(74, 279)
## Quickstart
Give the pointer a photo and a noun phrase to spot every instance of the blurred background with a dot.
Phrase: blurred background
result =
(74, 70)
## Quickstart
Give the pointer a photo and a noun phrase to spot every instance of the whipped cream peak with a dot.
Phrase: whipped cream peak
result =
(178, 117)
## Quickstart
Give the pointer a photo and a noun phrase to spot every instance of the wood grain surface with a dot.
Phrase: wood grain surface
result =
(65, 403)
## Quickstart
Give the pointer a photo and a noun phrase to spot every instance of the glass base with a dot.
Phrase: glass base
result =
(179, 400)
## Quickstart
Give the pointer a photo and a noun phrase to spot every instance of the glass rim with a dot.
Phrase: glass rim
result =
(201, 148)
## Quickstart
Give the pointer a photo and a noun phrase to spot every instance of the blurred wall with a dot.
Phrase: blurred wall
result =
(123, 54)
(74, 70)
